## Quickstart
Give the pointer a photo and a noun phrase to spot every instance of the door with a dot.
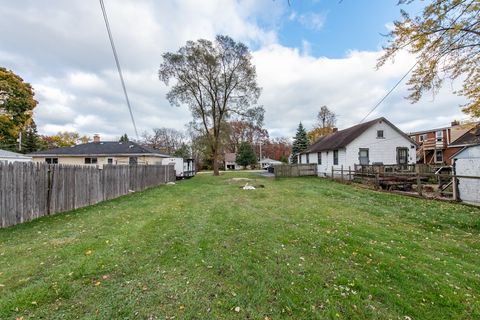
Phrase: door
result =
(402, 155)
(363, 157)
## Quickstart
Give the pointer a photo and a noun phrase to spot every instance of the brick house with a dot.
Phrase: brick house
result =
(434, 144)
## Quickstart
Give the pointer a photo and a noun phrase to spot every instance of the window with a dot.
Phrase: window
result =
(363, 156)
(335, 157)
(110, 160)
(90, 160)
(319, 155)
(51, 160)
(438, 156)
(308, 157)
(421, 138)
(380, 134)
(133, 160)
(439, 136)
(402, 155)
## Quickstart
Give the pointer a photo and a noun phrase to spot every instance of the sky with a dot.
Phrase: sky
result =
(307, 54)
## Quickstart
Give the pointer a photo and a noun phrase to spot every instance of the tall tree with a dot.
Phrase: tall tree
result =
(217, 81)
(124, 138)
(240, 131)
(277, 148)
(446, 40)
(326, 120)
(300, 142)
(63, 139)
(167, 140)
(246, 156)
(31, 138)
(16, 107)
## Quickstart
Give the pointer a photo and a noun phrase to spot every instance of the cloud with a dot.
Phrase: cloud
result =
(63, 50)
(295, 86)
(311, 20)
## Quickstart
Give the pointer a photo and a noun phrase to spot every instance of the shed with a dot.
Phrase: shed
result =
(467, 163)
(9, 156)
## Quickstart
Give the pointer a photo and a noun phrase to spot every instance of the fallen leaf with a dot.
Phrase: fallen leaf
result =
(237, 309)
(88, 252)
(97, 283)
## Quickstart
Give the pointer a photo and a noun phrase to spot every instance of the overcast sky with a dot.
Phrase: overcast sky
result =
(308, 54)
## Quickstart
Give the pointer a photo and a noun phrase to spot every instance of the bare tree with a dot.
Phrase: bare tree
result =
(167, 140)
(217, 81)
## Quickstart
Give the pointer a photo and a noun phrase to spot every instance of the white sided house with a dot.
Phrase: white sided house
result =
(374, 142)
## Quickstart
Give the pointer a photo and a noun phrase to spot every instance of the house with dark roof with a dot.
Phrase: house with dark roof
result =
(100, 153)
(374, 142)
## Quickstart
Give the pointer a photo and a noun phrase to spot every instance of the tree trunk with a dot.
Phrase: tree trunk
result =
(216, 171)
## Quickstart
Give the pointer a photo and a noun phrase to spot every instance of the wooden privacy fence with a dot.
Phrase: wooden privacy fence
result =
(295, 170)
(31, 190)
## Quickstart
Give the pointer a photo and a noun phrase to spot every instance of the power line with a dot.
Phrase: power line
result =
(410, 70)
(391, 90)
(102, 5)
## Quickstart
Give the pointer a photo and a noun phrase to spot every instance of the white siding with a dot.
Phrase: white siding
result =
(467, 163)
(380, 149)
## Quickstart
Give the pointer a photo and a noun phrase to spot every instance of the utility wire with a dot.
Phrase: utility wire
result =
(410, 70)
(391, 90)
(102, 5)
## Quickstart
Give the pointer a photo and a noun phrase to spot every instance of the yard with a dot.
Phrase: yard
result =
(300, 248)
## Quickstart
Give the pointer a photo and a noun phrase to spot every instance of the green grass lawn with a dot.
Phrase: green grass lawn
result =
(301, 248)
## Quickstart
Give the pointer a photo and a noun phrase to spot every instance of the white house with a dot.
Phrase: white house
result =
(466, 162)
(8, 156)
(265, 162)
(373, 142)
(231, 162)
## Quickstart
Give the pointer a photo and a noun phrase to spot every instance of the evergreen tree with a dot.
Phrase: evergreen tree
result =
(124, 138)
(31, 139)
(246, 156)
(300, 142)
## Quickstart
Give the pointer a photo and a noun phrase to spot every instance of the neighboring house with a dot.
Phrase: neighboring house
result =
(435, 145)
(8, 156)
(466, 162)
(373, 142)
(268, 162)
(100, 153)
(230, 162)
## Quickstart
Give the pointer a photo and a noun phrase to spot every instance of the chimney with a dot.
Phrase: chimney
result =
(455, 123)
(96, 138)
(334, 130)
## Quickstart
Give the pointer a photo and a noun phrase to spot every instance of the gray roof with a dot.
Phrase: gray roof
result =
(471, 137)
(102, 148)
(13, 155)
(342, 138)
(230, 157)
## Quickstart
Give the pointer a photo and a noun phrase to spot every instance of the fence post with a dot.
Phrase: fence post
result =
(377, 180)
(341, 168)
(349, 173)
(419, 185)
(332, 173)
(454, 186)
